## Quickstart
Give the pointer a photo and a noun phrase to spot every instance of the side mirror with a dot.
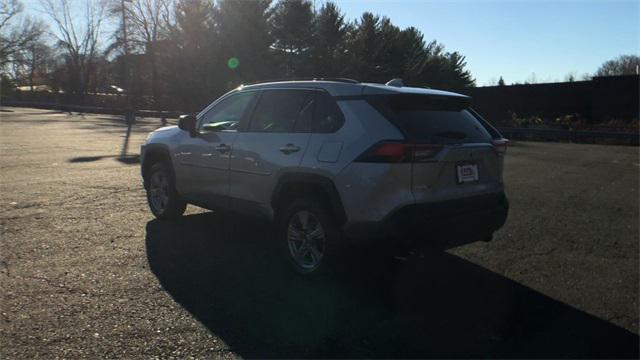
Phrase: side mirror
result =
(187, 123)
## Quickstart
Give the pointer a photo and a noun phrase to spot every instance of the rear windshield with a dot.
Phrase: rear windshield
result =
(432, 119)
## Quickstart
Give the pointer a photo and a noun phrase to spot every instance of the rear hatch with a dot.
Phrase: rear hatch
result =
(454, 152)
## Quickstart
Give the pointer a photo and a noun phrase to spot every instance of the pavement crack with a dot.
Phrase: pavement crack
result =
(5, 265)
(111, 189)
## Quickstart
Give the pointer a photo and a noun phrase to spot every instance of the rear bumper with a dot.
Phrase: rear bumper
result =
(447, 223)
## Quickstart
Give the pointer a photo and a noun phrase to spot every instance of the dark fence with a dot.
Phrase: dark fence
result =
(101, 100)
(577, 136)
(89, 109)
(599, 100)
(603, 110)
(111, 101)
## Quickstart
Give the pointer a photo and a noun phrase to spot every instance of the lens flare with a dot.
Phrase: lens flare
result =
(233, 63)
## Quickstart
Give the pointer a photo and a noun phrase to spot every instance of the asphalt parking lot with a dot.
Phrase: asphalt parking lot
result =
(86, 272)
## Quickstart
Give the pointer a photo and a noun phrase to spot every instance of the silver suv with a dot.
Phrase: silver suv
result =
(331, 162)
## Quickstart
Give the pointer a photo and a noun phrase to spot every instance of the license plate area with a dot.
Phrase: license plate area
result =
(467, 172)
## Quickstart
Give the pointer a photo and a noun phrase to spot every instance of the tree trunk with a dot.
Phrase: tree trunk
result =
(155, 92)
(32, 70)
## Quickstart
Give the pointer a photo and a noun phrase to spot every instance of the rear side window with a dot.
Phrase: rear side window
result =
(327, 118)
(432, 119)
(280, 110)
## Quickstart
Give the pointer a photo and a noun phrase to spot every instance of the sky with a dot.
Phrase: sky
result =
(518, 40)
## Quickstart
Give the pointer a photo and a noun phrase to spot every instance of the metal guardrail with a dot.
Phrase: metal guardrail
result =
(568, 135)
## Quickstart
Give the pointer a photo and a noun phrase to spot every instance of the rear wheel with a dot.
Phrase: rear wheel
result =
(309, 236)
(164, 201)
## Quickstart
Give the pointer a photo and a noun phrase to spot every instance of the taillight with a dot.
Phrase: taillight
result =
(425, 152)
(500, 146)
(399, 152)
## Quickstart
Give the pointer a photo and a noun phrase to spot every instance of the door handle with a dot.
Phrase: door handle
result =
(223, 148)
(289, 148)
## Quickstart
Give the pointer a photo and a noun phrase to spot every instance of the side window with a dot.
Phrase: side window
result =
(227, 114)
(283, 111)
(327, 118)
(305, 118)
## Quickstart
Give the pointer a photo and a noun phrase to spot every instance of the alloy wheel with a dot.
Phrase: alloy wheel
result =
(306, 240)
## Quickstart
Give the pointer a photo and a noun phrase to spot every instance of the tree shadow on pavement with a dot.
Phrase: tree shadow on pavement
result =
(124, 156)
(225, 271)
(125, 159)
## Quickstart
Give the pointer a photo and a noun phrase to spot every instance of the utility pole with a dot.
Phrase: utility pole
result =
(128, 112)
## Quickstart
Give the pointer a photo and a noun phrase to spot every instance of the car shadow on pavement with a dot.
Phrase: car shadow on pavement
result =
(225, 271)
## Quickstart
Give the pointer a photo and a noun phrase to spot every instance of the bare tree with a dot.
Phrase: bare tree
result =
(532, 79)
(622, 65)
(39, 62)
(77, 35)
(32, 63)
(16, 31)
(149, 24)
(570, 76)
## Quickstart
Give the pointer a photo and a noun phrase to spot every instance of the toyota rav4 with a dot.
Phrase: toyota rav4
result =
(331, 162)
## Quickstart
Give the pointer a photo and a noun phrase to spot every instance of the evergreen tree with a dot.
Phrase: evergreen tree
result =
(380, 51)
(192, 42)
(364, 47)
(390, 52)
(444, 70)
(193, 21)
(457, 76)
(243, 31)
(501, 81)
(291, 27)
(328, 49)
(412, 46)
(192, 51)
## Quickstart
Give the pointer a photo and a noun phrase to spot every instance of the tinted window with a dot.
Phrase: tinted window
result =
(227, 114)
(328, 117)
(429, 119)
(303, 124)
(280, 110)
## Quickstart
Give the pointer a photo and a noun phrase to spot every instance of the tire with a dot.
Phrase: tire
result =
(163, 199)
(294, 237)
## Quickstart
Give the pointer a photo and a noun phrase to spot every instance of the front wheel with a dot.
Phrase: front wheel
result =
(164, 201)
(309, 237)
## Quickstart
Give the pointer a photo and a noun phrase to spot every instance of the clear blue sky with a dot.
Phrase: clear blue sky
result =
(515, 39)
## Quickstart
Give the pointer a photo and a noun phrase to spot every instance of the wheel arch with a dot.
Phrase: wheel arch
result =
(291, 184)
(152, 154)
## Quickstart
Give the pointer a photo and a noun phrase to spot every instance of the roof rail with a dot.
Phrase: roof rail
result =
(336, 79)
(395, 82)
